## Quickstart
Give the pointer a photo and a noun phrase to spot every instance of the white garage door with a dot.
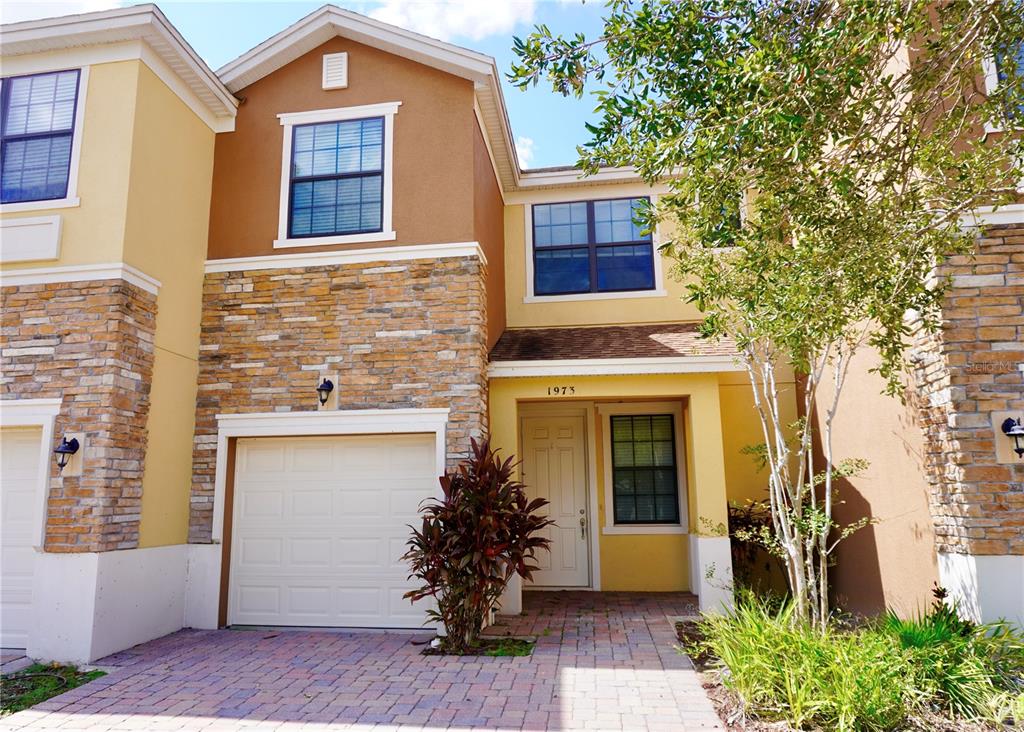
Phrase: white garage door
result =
(319, 526)
(19, 469)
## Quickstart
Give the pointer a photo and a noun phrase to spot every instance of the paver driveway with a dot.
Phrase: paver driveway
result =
(602, 661)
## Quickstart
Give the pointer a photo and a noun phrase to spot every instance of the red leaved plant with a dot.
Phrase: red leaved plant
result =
(473, 540)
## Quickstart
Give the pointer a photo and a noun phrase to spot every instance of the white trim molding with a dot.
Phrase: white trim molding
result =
(604, 413)
(30, 238)
(116, 35)
(612, 366)
(41, 413)
(341, 422)
(586, 296)
(70, 198)
(289, 120)
(991, 72)
(80, 273)
(349, 256)
(585, 189)
(1011, 213)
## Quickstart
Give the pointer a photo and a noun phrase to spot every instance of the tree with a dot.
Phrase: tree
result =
(820, 157)
(472, 541)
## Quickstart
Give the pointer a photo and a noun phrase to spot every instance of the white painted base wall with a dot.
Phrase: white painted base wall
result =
(202, 586)
(711, 572)
(511, 602)
(985, 588)
(89, 605)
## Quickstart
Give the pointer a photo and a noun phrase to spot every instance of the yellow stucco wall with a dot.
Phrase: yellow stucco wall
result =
(144, 184)
(165, 237)
(637, 562)
(94, 231)
(520, 314)
(741, 427)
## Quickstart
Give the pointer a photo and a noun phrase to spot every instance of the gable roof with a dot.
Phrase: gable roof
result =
(329, 21)
(212, 99)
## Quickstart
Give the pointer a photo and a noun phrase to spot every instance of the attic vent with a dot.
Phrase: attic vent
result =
(335, 70)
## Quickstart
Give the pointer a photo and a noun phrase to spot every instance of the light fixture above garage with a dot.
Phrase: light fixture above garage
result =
(324, 390)
(64, 451)
(1013, 429)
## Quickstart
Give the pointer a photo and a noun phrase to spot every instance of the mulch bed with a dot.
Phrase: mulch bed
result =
(486, 647)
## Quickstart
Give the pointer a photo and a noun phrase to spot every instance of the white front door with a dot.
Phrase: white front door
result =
(19, 468)
(554, 467)
(319, 528)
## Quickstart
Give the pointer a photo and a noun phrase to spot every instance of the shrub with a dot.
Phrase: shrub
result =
(787, 670)
(871, 677)
(967, 670)
(473, 540)
(753, 566)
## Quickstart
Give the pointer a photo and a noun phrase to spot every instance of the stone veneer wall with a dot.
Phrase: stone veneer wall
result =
(963, 374)
(408, 334)
(90, 344)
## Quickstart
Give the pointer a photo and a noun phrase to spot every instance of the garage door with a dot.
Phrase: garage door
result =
(319, 524)
(19, 466)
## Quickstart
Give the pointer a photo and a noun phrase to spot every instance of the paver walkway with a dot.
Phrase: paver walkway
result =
(602, 661)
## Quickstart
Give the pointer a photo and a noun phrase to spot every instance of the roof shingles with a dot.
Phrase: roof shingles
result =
(619, 341)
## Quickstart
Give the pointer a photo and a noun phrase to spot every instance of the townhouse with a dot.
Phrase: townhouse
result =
(270, 305)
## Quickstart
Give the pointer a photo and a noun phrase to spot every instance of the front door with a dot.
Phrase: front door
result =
(554, 467)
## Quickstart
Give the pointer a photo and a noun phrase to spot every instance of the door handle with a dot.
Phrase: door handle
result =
(583, 527)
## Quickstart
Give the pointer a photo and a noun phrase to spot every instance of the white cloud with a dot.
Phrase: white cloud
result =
(13, 12)
(524, 150)
(445, 19)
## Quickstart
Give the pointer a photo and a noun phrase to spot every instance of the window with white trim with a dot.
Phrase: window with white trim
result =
(37, 129)
(645, 487)
(591, 247)
(1007, 66)
(337, 178)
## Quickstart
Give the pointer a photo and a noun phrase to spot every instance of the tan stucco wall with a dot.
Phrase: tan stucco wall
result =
(165, 237)
(93, 232)
(890, 564)
(520, 314)
(433, 155)
(489, 230)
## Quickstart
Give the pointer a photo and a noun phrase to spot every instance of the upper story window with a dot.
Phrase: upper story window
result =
(337, 178)
(1004, 63)
(337, 168)
(590, 246)
(998, 69)
(37, 124)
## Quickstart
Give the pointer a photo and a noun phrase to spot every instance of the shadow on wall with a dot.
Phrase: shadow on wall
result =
(890, 563)
(858, 588)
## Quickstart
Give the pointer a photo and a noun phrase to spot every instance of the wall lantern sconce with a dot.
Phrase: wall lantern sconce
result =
(1013, 429)
(64, 451)
(324, 391)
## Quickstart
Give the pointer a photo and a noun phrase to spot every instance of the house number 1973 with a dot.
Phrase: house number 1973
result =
(561, 390)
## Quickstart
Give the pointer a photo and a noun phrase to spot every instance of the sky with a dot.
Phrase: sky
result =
(547, 126)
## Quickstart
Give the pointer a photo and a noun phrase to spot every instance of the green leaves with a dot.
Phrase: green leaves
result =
(856, 157)
(819, 157)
